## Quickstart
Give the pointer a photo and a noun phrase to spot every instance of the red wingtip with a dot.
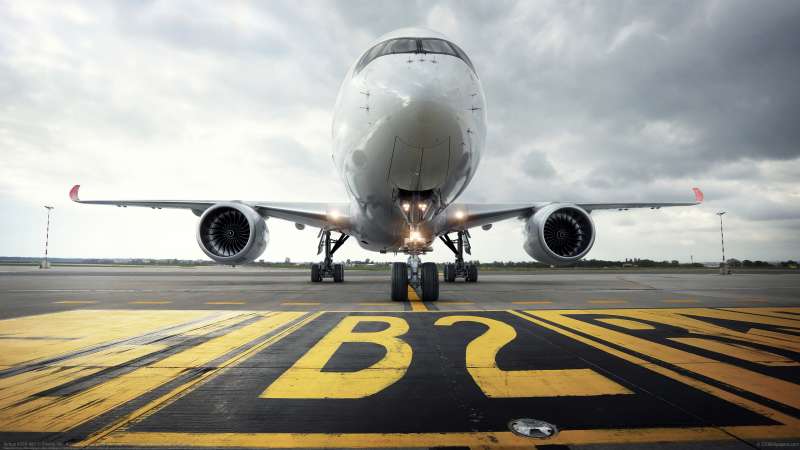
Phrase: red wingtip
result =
(698, 195)
(73, 193)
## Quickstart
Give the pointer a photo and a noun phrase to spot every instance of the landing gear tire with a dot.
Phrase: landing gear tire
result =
(449, 273)
(430, 282)
(316, 276)
(472, 273)
(399, 282)
(338, 273)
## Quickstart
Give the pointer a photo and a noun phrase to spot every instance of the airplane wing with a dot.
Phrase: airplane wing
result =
(320, 215)
(470, 215)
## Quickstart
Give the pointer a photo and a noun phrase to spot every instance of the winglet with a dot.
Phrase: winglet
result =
(698, 195)
(73, 193)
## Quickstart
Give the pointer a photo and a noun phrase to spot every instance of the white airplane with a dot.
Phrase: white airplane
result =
(409, 127)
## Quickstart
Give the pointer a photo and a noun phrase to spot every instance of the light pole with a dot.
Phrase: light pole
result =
(45, 264)
(723, 264)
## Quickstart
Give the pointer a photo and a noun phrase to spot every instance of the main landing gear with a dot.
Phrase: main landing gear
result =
(415, 274)
(327, 269)
(459, 269)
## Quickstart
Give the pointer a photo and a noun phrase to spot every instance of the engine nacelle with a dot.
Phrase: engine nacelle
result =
(559, 234)
(232, 233)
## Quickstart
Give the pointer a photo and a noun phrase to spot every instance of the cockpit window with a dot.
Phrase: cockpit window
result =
(437, 46)
(412, 45)
(400, 46)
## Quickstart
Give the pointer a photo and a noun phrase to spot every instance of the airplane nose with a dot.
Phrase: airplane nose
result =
(420, 108)
(425, 126)
(421, 105)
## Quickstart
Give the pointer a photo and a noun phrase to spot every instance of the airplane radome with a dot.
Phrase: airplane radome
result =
(409, 127)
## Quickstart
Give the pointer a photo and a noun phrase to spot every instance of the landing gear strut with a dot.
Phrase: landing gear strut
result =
(459, 269)
(327, 269)
(417, 275)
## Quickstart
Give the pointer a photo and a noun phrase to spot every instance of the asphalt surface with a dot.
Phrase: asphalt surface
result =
(220, 357)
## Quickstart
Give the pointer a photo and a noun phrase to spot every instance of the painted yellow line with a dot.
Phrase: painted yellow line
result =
(299, 303)
(24, 386)
(187, 387)
(627, 324)
(680, 300)
(607, 302)
(533, 302)
(746, 380)
(416, 302)
(60, 413)
(150, 302)
(481, 357)
(226, 303)
(305, 379)
(742, 352)
(783, 313)
(76, 302)
(71, 334)
(502, 439)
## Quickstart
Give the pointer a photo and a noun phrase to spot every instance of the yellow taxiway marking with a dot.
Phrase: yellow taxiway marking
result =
(628, 324)
(305, 379)
(150, 302)
(680, 300)
(498, 383)
(791, 427)
(772, 388)
(742, 352)
(501, 439)
(19, 387)
(416, 302)
(173, 395)
(61, 413)
(533, 302)
(607, 302)
(766, 311)
(226, 303)
(77, 302)
(82, 328)
(299, 303)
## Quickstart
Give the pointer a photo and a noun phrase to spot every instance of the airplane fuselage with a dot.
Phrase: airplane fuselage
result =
(408, 130)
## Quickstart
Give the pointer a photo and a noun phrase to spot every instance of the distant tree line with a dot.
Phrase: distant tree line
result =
(733, 262)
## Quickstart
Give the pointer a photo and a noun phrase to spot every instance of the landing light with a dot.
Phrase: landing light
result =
(334, 214)
(406, 207)
(459, 215)
(422, 206)
(415, 236)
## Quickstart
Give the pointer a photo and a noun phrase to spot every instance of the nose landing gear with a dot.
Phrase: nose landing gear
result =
(459, 269)
(418, 275)
(327, 269)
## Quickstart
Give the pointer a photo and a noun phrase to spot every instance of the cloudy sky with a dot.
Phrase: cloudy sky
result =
(587, 101)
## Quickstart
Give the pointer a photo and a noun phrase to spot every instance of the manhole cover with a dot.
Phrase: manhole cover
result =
(532, 428)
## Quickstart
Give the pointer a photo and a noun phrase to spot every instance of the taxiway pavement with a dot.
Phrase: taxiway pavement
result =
(217, 357)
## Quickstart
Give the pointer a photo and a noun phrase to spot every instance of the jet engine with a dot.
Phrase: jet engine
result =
(232, 233)
(559, 234)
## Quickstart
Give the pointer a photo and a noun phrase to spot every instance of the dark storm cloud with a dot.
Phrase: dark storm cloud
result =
(655, 89)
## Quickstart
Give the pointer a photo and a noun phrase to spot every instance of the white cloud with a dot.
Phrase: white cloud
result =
(233, 100)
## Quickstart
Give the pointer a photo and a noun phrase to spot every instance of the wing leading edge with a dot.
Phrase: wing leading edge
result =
(320, 215)
(470, 215)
